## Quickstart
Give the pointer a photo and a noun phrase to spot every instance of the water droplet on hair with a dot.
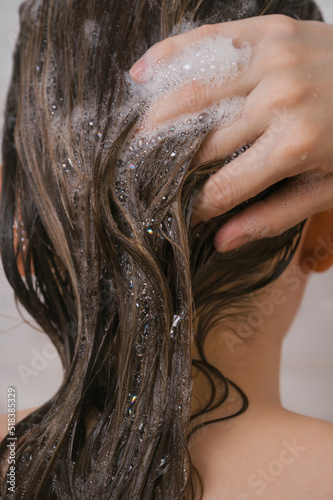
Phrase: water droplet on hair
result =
(175, 323)
(176, 320)
(203, 117)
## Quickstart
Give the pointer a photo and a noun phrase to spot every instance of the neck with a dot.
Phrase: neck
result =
(253, 364)
(251, 357)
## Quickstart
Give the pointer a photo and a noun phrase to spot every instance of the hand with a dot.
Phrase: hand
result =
(288, 116)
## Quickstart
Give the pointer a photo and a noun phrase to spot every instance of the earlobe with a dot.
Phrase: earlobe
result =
(317, 248)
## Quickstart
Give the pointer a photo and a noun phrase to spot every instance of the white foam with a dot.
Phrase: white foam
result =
(211, 62)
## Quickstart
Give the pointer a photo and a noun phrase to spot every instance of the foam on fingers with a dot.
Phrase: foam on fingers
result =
(211, 62)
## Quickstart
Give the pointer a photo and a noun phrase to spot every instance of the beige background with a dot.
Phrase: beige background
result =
(28, 362)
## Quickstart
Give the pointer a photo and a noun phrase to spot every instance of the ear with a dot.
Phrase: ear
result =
(317, 248)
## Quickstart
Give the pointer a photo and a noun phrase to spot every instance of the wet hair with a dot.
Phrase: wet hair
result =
(113, 271)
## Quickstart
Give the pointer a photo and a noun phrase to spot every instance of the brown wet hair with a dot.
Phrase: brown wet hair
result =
(113, 272)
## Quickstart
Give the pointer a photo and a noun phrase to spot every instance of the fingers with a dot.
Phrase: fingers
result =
(224, 141)
(238, 30)
(265, 106)
(246, 176)
(249, 30)
(254, 81)
(288, 147)
(304, 196)
(196, 96)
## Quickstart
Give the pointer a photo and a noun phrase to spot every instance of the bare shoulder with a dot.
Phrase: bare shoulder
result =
(316, 433)
(277, 455)
(317, 436)
(310, 441)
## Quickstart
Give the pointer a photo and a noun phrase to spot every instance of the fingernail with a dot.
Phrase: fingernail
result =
(233, 243)
(138, 69)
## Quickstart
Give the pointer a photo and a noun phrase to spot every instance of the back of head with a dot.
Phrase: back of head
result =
(113, 271)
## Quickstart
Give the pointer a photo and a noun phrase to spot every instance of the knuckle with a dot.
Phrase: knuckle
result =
(289, 26)
(171, 45)
(304, 137)
(290, 90)
(281, 52)
(282, 25)
(156, 50)
(162, 49)
(274, 56)
(279, 96)
(310, 134)
(222, 192)
(194, 97)
(205, 30)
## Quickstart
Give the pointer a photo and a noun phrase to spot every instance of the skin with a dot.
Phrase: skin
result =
(288, 116)
(261, 436)
(288, 112)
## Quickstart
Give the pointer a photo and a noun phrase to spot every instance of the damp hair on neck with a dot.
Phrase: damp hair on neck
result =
(113, 271)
